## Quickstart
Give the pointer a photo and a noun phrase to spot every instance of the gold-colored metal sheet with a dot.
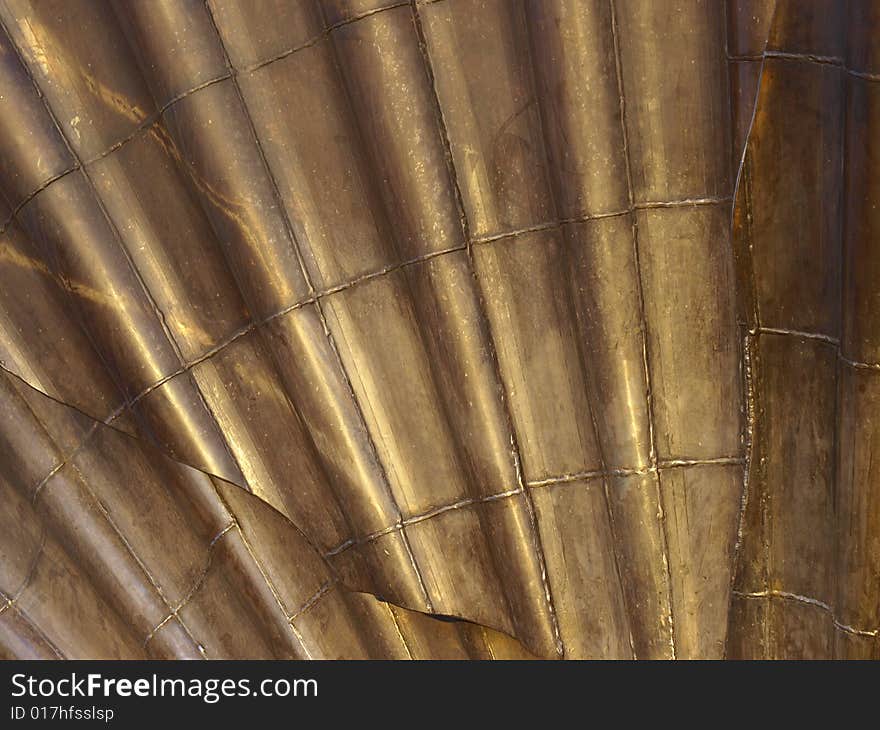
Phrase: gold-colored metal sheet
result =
(554, 317)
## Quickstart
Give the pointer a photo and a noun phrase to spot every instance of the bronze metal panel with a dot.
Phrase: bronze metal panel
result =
(701, 509)
(815, 28)
(857, 503)
(383, 351)
(461, 300)
(170, 242)
(574, 64)
(677, 111)
(231, 593)
(585, 581)
(25, 126)
(40, 337)
(322, 174)
(479, 56)
(798, 472)
(85, 68)
(215, 146)
(799, 631)
(67, 224)
(329, 628)
(747, 634)
(862, 44)
(176, 417)
(172, 29)
(264, 29)
(636, 506)
(795, 215)
(749, 26)
(308, 370)
(386, 80)
(521, 279)
(861, 265)
(605, 285)
(67, 501)
(693, 342)
(20, 639)
(98, 631)
(269, 442)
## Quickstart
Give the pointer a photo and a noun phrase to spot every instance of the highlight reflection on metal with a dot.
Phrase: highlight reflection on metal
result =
(554, 316)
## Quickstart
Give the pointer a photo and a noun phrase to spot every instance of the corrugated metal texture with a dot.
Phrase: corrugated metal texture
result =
(113, 550)
(451, 286)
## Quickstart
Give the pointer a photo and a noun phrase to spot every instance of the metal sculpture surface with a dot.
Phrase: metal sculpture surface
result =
(558, 317)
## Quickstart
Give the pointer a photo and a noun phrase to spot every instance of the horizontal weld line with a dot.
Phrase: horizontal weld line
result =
(786, 56)
(683, 203)
(400, 524)
(458, 505)
(389, 269)
(198, 584)
(312, 600)
(716, 461)
(469, 501)
(546, 226)
(796, 333)
(314, 40)
(558, 223)
(867, 75)
(637, 471)
(835, 61)
(809, 57)
(827, 339)
(859, 365)
(785, 595)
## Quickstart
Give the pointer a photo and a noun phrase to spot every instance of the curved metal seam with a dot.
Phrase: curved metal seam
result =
(325, 588)
(785, 595)
(538, 484)
(193, 590)
(749, 361)
(809, 58)
(314, 40)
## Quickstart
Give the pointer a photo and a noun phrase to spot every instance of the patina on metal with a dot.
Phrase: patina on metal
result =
(555, 317)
